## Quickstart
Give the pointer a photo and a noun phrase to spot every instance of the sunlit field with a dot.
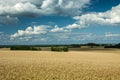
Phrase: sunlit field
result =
(72, 65)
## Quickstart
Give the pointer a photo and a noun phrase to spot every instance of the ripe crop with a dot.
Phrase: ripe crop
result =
(46, 65)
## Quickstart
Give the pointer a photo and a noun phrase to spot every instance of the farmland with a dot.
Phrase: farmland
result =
(72, 65)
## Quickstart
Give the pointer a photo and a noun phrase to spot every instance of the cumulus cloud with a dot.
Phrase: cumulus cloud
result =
(110, 17)
(34, 8)
(40, 33)
(37, 30)
(63, 7)
(57, 29)
(42, 29)
(75, 25)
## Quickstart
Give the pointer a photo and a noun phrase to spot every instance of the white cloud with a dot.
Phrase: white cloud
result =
(26, 9)
(57, 29)
(109, 34)
(20, 9)
(113, 37)
(37, 30)
(63, 7)
(33, 8)
(15, 8)
(75, 25)
(110, 17)
(42, 29)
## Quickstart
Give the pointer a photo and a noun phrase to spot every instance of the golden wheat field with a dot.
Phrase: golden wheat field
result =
(47, 65)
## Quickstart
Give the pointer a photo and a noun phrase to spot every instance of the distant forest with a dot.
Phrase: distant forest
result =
(69, 46)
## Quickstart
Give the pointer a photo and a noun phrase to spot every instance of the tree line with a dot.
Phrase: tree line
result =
(25, 48)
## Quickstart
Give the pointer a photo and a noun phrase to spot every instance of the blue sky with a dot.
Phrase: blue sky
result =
(28, 22)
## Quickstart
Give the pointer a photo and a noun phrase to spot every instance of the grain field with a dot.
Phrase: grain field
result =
(73, 65)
